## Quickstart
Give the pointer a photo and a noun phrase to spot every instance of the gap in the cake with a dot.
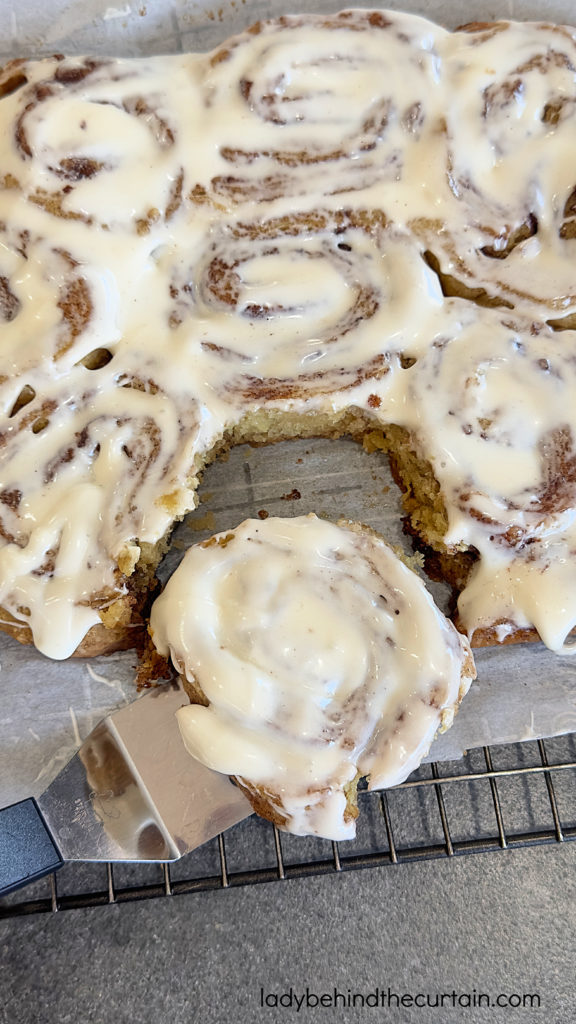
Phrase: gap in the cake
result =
(12, 84)
(505, 245)
(334, 478)
(566, 323)
(454, 287)
(40, 424)
(26, 396)
(96, 359)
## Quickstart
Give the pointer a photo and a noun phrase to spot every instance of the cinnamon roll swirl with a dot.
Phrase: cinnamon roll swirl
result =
(509, 134)
(491, 408)
(304, 309)
(81, 127)
(324, 104)
(379, 668)
(294, 234)
(100, 442)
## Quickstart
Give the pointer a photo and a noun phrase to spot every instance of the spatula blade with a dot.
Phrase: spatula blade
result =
(132, 792)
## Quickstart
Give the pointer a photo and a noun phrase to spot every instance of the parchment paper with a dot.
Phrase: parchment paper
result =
(47, 708)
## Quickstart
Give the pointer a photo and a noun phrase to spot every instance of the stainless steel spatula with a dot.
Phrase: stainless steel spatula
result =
(132, 792)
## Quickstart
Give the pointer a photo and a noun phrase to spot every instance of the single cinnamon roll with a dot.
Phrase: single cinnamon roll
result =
(84, 130)
(312, 656)
(325, 103)
(509, 135)
(303, 308)
(100, 449)
(490, 407)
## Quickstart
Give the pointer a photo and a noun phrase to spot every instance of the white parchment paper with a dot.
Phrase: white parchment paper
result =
(48, 708)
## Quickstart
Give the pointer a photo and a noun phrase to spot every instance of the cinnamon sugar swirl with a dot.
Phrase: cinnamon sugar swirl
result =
(509, 143)
(296, 308)
(357, 223)
(312, 656)
(320, 104)
(491, 409)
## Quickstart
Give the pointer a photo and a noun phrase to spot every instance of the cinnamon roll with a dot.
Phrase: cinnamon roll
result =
(320, 104)
(508, 234)
(490, 407)
(312, 656)
(304, 310)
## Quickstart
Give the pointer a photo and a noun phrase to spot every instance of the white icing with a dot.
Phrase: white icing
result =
(247, 229)
(511, 125)
(321, 654)
(493, 408)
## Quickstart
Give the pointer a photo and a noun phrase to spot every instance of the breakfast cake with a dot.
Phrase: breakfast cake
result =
(357, 223)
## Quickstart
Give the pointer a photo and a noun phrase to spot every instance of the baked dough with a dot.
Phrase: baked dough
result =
(357, 223)
(312, 656)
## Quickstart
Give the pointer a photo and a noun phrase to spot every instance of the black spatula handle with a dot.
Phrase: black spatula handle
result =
(27, 850)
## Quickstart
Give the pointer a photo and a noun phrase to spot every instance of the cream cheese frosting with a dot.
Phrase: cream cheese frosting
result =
(354, 212)
(495, 413)
(321, 656)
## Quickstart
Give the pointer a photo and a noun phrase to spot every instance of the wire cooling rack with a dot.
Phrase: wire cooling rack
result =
(496, 798)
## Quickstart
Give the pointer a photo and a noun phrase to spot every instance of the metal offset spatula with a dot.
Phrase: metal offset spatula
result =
(132, 792)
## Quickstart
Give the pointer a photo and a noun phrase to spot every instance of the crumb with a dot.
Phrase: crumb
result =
(152, 667)
(263, 514)
(294, 495)
(220, 542)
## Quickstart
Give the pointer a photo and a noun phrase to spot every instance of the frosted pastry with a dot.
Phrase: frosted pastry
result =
(312, 656)
(316, 229)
